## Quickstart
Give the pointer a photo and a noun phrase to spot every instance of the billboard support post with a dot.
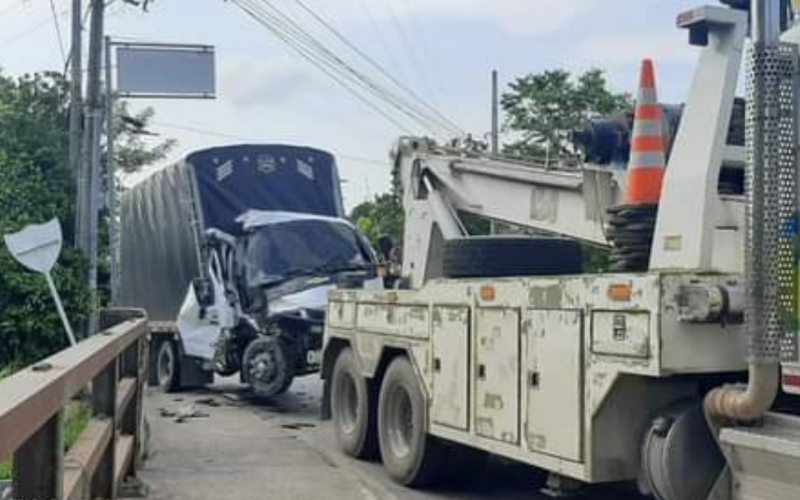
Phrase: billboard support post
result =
(147, 71)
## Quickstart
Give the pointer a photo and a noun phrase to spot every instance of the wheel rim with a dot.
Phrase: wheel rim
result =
(263, 367)
(347, 403)
(400, 421)
(166, 365)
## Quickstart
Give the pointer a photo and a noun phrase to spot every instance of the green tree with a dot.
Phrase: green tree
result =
(36, 185)
(133, 152)
(381, 216)
(543, 109)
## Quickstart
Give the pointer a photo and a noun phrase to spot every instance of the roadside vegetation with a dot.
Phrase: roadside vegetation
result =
(76, 418)
(36, 185)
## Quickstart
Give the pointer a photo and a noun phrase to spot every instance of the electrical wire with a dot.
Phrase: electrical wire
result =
(372, 62)
(13, 7)
(302, 42)
(409, 49)
(309, 56)
(224, 135)
(57, 25)
(278, 19)
(22, 34)
(421, 40)
(378, 33)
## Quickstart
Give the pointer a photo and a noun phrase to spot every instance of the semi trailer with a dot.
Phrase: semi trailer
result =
(232, 252)
(674, 372)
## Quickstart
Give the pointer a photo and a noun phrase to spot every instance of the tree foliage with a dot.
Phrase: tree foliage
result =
(36, 185)
(133, 152)
(544, 109)
(381, 216)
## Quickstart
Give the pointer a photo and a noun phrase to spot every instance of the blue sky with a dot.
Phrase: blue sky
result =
(443, 49)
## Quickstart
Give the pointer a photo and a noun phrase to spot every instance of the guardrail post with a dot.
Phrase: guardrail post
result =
(39, 463)
(131, 418)
(104, 404)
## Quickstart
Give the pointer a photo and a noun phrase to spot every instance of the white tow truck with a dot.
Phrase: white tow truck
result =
(503, 344)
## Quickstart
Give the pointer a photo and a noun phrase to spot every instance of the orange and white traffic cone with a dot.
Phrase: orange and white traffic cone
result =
(632, 224)
(648, 156)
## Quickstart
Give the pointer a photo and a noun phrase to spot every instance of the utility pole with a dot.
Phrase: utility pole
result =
(495, 116)
(76, 104)
(112, 200)
(90, 182)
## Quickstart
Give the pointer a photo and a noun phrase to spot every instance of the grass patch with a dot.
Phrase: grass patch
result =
(5, 465)
(76, 417)
(8, 370)
(5, 470)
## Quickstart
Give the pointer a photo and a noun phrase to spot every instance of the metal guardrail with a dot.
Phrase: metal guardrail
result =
(112, 365)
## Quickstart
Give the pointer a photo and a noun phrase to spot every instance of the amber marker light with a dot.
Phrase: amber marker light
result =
(620, 292)
(488, 293)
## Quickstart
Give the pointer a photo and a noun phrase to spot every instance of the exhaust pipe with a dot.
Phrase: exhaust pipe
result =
(771, 194)
(744, 404)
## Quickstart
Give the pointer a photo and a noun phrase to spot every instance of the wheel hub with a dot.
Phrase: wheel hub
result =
(401, 421)
(347, 399)
(263, 367)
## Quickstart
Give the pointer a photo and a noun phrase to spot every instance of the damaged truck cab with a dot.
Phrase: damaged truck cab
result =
(232, 252)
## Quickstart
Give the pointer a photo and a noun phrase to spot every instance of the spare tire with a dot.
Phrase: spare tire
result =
(503, 256)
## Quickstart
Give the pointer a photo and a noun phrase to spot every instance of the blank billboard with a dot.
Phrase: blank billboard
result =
(165, 71)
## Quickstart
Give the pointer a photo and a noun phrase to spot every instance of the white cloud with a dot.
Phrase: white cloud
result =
(248, 83)
(617, 50)
(524, 17)
(537, 17)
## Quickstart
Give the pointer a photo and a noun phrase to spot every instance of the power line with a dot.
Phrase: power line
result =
(338, 64)
(224, 135)
(309, 56)
(58, 32)
(372, 62)
(422, 42)
(409, 49)
(323, 58)
(382, 39)
(22, 34)
(13, 7)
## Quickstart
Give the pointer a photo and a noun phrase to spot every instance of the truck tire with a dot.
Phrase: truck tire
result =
(410, 456)
(266, 367)
(168, 366)
(353, 408)
(504, 256)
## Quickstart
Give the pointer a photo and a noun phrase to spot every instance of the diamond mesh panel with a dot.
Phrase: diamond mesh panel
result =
(771, 181)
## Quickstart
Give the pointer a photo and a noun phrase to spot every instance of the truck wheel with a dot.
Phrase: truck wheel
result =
(266, 367)
(410, 455)
(681, 460)
(353, 408)
(499, 256)
(168, 367)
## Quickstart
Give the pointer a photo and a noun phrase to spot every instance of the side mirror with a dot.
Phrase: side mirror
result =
(203, 292)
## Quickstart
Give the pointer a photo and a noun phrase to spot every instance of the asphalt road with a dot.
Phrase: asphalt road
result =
(238, 447)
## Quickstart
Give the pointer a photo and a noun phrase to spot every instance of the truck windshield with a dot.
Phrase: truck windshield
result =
(302, 248)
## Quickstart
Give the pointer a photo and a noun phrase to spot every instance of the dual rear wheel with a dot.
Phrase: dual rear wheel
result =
(392, 422)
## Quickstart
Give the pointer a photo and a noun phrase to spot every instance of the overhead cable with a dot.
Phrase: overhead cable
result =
(336, 63)
(357, 83)
(310, 57)
(372, 62)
